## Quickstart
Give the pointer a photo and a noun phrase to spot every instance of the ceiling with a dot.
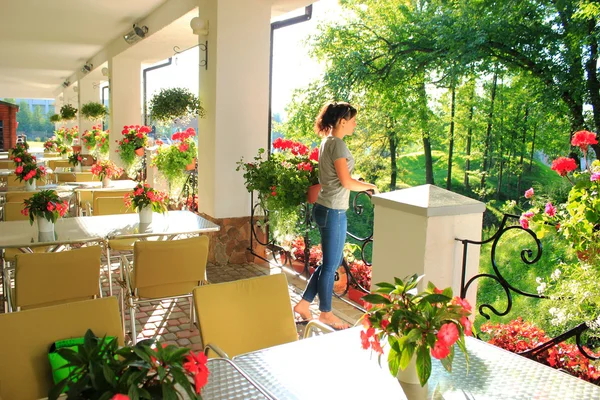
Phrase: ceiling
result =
(44, 42)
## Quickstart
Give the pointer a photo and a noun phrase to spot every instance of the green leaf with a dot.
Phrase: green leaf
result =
(385, 285)
(376, 299)
(393, 362)
(407, 355)
(109, 374)
(447, 361)
(168, 392)
(436, 298)
(414, 335)
(423, 364)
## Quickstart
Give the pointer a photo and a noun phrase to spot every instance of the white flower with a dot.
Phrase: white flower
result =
(541, 288)
(555, 275)
(538, 280)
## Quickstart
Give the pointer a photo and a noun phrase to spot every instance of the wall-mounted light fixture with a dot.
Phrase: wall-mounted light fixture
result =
(136, 34)
(199, 26)
(105, 71)
(66, 83)
(87, 67)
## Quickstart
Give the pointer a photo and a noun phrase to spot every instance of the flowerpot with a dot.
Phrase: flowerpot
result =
(106, 182)
(355, 295)
(64, 156)
(45, 225)
(139, 151)
(298, 266)
(191, 165)
(76, 148)
(30, 185)
(77, 168)
(409, 374)
(146, 215)
(313, 193)
(46, 237)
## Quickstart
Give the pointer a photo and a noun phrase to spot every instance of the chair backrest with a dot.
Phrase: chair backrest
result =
(169, 268)
(12, 211)
(18, 196)
(53, 164)
(97, 194)
(13, 181)
(261, 305)
(111, 205)
(65, 177)
(7, 164)
(43, 279)
(26, 336)
(85, 177)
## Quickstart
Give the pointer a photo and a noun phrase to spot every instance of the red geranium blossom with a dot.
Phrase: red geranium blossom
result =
(583, 139)
(448, 334)
(196, 366)
(563, 165)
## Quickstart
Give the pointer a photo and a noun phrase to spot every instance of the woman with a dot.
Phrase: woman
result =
(334, 122)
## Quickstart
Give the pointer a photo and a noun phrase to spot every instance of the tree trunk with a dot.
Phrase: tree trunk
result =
(393, 149)
(524, 139)
(593, 84)
(469, 136)
(488, 134)
(532, 147)
(423, 110)
(451, 141)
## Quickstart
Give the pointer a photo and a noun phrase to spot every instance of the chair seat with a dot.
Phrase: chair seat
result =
(122, 244)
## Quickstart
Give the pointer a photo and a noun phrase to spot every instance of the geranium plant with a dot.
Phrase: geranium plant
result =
(18, 150)
(99, 369)
(27, 168)
(96, 141)
(134, 137)
(282, 181)
(361, 273)
(66, 135)
(172, 160)
(421, 325)
(50, 145)
(75, 159)
(45, 204)
(145, 196)
(106, 169)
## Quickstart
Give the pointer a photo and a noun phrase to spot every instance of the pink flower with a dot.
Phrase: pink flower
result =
(120, 396)
(524, 223)
(468, 325)
(595, 177)
(464, 303)
(529, 193)
(440, 350)
(50, 206)
(19, 169)
(448, 334)
(550, 209)
(528, 214)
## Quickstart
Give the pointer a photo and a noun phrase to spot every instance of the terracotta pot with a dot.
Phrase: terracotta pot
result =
(298, 266)
(76, 148)
(139, 151)
(313, 193)
(191, 166)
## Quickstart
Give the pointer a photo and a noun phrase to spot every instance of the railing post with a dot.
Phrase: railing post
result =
(415, 232)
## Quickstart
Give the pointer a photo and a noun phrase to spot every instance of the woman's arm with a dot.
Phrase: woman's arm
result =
(341, 169)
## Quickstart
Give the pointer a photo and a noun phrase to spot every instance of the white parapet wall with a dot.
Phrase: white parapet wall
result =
(415, 232)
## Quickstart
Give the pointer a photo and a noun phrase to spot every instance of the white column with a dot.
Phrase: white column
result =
(415, 232)
(125, 98)
(235, 92)
(89, 91)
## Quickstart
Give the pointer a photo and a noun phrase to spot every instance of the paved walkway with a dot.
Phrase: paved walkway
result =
(168, 320)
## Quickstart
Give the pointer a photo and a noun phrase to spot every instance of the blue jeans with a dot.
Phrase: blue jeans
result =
(332, 226)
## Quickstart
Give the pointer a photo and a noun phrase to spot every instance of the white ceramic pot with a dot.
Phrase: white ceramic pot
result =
(105, 182)
(30, 185)
(409, 375)
(409, 381)
(45, 225)
(146, 215)
(78, 168)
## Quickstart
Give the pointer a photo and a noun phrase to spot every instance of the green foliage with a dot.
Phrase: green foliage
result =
(45, 204)
(173, 159)
(134, 137)
(144, 196)
(175, 103)
(93, 111)
(55, 118)
(97, 141)
(100, 370)
(68, 112)
(75, 159)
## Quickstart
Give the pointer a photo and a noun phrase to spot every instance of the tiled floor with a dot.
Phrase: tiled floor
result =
(169, 320)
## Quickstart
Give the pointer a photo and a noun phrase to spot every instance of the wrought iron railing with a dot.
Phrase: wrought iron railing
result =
(529, 257)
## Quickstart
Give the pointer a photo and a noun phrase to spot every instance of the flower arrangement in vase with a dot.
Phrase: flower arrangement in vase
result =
(96, 141)
(47, 207)
(75, 160)
(135, 138)
(66, 135)
(172, 160)
(282, 181)
(415, 325)
(106, 170)
(148, 370)
(146, 200)
(50, 145)
(18, 151)
(27, 170)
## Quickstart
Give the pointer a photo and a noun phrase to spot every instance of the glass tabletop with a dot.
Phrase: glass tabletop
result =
(127, 184)
(226, 382)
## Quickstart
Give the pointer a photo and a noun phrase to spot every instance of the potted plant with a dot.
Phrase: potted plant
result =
(50, 145)
(47, 207)
(146, 200)
(55, 118)
(66, 135)
(362, 278)
(18, 151)
(106, 170)
(96, 141)
(282, 182)
(172, 160)
(93, 111)
(75, 160)
(173, 104)
(99, 369)
(68, 112)
(131, 146)
(27, 170)
(416, 326)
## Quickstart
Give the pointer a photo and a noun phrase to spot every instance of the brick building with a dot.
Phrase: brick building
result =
(8, 125)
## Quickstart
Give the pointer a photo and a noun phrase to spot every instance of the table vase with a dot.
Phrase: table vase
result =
(146, 215)
(105, 182)
(45, 225)
(77, 168)
(30, 185)
(409, 380)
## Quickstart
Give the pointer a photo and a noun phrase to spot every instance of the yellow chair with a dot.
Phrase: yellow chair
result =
(65, 177)
(111, 205)
(260, 305)
(12, 211)
(26, 336)
(85, 177)
(17, 196)
(43, 279)
(164, 270)
(7, 164)
(98, 194)
(53, 164)
(13, 181)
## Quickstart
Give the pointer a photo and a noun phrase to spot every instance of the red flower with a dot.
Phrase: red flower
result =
(440, 350)
(468, 325)
(17, 159)
(462, 302)
(314, 154)
(583, 139)
(120, 396)
(563, 165)
(50, 206)
(196, 366)
(365, 336)
(19, 169)
(448, 335)
(437, 291)
(384, 323)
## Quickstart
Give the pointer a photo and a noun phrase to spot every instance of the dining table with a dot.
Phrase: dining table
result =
(227, 382)
(334, 365)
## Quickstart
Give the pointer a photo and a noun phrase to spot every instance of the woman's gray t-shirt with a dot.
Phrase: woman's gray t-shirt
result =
(333, 194)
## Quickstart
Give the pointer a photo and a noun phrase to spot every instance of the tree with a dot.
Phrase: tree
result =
(24, 117)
